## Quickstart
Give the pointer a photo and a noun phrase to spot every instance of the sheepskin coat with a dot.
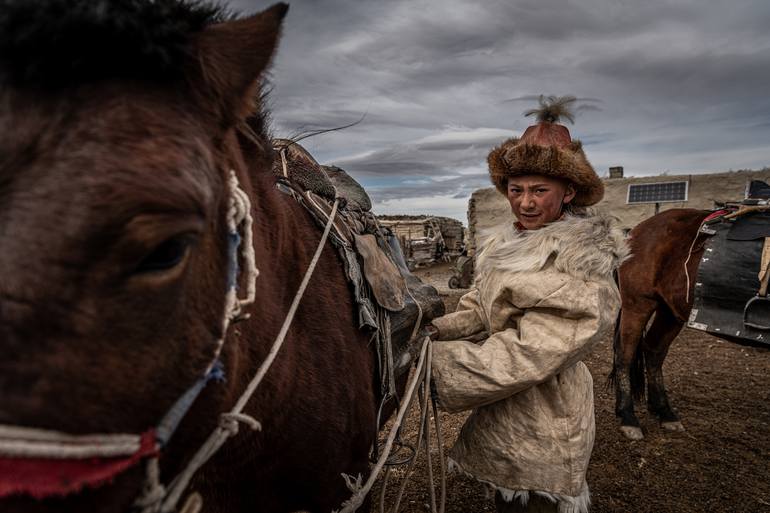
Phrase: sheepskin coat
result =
(545, 299)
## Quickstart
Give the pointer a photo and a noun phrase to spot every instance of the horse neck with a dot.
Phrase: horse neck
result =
(324, 351)
(285, 239)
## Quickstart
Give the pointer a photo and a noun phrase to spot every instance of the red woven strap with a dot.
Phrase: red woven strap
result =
(715, 214)
(45, 477)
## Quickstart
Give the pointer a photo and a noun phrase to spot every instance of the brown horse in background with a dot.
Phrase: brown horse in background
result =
(653, 281)
(119, 136)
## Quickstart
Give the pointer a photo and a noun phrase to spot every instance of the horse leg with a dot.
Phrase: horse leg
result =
(665, 327)
(627, 375)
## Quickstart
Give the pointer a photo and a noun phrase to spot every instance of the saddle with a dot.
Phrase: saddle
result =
(391, 301)
(730, 296)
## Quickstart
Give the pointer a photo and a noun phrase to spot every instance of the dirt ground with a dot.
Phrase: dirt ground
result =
(720, 464)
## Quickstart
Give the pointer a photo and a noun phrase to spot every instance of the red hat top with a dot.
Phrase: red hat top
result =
(547, 149)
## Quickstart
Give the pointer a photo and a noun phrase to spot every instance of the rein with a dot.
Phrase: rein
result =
(21, 445)
(421, 378)
(228, 425)
(158, 499)
(39, 447)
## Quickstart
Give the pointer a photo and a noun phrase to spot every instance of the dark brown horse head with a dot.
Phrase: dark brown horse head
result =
(121, 124)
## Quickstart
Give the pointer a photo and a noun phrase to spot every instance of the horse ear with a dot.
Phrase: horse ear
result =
(232, 57)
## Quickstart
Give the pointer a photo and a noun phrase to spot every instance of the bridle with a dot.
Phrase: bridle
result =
(21, 445)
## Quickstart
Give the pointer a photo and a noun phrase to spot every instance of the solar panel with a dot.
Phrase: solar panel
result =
(657, 192)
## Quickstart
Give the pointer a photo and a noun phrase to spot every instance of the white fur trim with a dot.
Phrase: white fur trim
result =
(586, 247)
(567, 503)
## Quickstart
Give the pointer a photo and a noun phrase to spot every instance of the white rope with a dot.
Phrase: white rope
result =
(23, 442)
(243, 214)
(31, 442)
(289, 317)
(410, 467)
(427, 440)
(283, 162)
(686, 261)
(228, 425)
(238, 212)
(423, 433)
(323, 213)
(152, 490)
(442, 463)
(360, 492)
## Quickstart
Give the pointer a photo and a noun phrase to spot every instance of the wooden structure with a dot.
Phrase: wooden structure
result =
(426, 239)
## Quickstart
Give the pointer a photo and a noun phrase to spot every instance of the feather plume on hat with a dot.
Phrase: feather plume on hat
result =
(547, 149)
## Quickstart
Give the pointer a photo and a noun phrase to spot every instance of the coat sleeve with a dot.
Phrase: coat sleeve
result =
(464, 322)
(552, 335)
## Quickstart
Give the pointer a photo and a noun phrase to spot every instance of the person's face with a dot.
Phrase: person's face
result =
(537, 200)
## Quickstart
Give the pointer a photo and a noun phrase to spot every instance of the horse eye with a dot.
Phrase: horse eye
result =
(167, 255)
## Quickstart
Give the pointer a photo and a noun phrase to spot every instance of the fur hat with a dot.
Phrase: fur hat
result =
(547, 149)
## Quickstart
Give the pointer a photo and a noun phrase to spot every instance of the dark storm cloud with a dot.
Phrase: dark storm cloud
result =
(439, 154)
(695, 77)
(460, 188)
(682, 84)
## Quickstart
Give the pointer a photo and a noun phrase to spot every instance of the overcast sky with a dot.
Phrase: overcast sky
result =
(683, 86)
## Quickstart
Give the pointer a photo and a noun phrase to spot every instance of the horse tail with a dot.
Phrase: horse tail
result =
(636, 368)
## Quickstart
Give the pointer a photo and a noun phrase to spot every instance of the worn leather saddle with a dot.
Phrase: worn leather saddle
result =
(730, 295)
(392, 302)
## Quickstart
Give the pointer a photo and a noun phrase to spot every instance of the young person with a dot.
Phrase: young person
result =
(545, 295)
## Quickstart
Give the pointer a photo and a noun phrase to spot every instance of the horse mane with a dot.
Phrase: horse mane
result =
(59, 43)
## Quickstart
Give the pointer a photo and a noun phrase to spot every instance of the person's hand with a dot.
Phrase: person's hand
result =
(430, 331)
(415, 344)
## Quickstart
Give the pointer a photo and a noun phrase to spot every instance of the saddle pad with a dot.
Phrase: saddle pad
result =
(382, 275)
(751, 227)
(301, 168)
(726, 280)
(348, 188)
(325, 181)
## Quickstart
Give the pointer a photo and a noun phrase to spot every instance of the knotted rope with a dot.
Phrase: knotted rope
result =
(24, 442)
(229, 421)
(423, 434)
(156, 498)
(421, 376)
(238, 212)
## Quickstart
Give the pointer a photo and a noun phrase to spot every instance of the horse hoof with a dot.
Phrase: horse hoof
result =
(672, 426)
(632, 433)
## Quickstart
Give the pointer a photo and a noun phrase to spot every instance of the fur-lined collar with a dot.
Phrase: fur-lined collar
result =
(586, 247)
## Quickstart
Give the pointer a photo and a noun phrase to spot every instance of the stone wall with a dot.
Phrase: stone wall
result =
(487, 208)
